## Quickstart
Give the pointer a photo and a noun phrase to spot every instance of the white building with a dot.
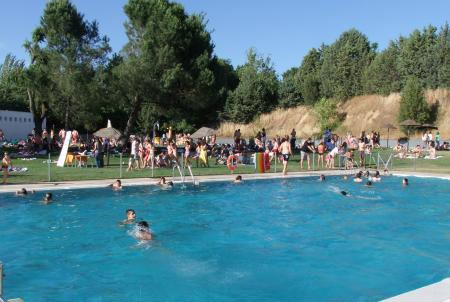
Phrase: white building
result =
(16, 124)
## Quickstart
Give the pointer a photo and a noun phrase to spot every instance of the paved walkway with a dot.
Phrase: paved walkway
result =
(51, 186)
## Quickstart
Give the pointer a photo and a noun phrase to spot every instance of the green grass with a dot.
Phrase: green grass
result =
(38, 170)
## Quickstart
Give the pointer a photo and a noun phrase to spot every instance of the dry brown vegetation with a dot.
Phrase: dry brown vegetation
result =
(369, 112)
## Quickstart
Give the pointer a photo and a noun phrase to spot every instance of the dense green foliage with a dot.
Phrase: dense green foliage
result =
(168, 72)
(257, 91)
(413, 105)
(327, 115)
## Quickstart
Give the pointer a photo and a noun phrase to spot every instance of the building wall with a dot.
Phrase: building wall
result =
(17, 125)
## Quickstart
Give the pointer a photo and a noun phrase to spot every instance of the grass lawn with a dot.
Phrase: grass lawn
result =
(38, 168)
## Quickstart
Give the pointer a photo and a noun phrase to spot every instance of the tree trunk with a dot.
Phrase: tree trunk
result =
(37, 116)
(132, 118)
(66, 116)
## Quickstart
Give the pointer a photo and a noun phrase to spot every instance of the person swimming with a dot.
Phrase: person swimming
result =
(117, 185)
(405, 182)
(238, 179)
(368, 183)
(322, 177)
(358, 177)
(345, 177)
(162, 183)
(377, 176)
(344, 193)
(22, 192)
(48, 198)
(131, 217)
(143, 231)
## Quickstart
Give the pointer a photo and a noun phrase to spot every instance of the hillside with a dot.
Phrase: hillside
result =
(367, 112)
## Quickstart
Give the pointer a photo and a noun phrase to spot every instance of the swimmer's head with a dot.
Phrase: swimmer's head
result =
(131, 214)
(358, 175)
(48, 197)
(119, 182)
(377, 173)
(405, 181)
(322, 177)
(368, 184)
(345, 177)
(162, 180)
(366, 174)
(239, 178)
(143, 225)
(22, 191)
(170, 183)
(344, 193)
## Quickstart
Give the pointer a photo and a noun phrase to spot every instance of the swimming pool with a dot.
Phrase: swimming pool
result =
(268, 240)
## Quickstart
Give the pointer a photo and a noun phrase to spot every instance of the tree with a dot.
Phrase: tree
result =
(326, 110)
(11, 92)
(443, 56)
(168, 65)
(69, 50)
(412, 104)
(309, 74)
(382, 76)
(257, 91)
(290, 94)
(343, 64)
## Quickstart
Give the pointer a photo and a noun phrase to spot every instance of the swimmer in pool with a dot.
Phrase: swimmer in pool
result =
(344, 193)
(131, 217)
(368, 183)
(405, 182)
(143, 231)
(22, 192)
(358, 177)
(322, 177)
(48, 198)
(238, 179)
(117, 185)
(377, 176)
(163, 184)
(345, 177)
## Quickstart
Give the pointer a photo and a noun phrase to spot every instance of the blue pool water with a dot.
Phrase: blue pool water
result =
(269, 240)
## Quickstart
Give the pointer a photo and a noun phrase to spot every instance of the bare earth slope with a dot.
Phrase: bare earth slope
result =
(369, 112)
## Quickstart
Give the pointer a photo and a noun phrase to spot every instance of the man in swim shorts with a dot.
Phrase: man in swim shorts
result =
(143, 231)
(286, 151)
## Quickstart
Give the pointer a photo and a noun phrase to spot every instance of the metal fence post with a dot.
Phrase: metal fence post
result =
(49, 160)
(1, 279)
(120, 164)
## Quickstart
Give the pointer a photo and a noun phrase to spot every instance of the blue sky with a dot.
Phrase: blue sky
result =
(283, 30)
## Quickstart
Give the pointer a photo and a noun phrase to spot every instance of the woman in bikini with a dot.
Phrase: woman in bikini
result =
(320, 152)
(6, 162)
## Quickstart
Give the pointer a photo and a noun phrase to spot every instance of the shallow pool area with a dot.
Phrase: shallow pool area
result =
(293, 239)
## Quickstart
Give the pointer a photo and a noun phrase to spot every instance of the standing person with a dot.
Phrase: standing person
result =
(263, 136)
(306, 149)
(6, 162)
(98, 154)
(133, 154)
(362, 153)
(293, 139)
(285, 150)
(321, 152)
(438, 140)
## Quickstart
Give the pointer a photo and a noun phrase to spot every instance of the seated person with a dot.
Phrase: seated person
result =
(417, 151)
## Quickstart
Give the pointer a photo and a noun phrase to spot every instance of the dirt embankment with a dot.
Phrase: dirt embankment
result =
(369, 112)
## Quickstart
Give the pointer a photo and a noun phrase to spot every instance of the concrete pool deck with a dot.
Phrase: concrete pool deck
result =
(101, 183)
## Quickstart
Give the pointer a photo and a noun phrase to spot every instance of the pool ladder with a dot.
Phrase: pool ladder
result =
(2, 299)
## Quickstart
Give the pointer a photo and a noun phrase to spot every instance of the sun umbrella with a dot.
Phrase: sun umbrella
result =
(429, 126)
(108, 132)
(388, 126)
(409, 124)
(202, 132)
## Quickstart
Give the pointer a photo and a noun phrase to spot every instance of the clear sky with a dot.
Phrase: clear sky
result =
(283, 30)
